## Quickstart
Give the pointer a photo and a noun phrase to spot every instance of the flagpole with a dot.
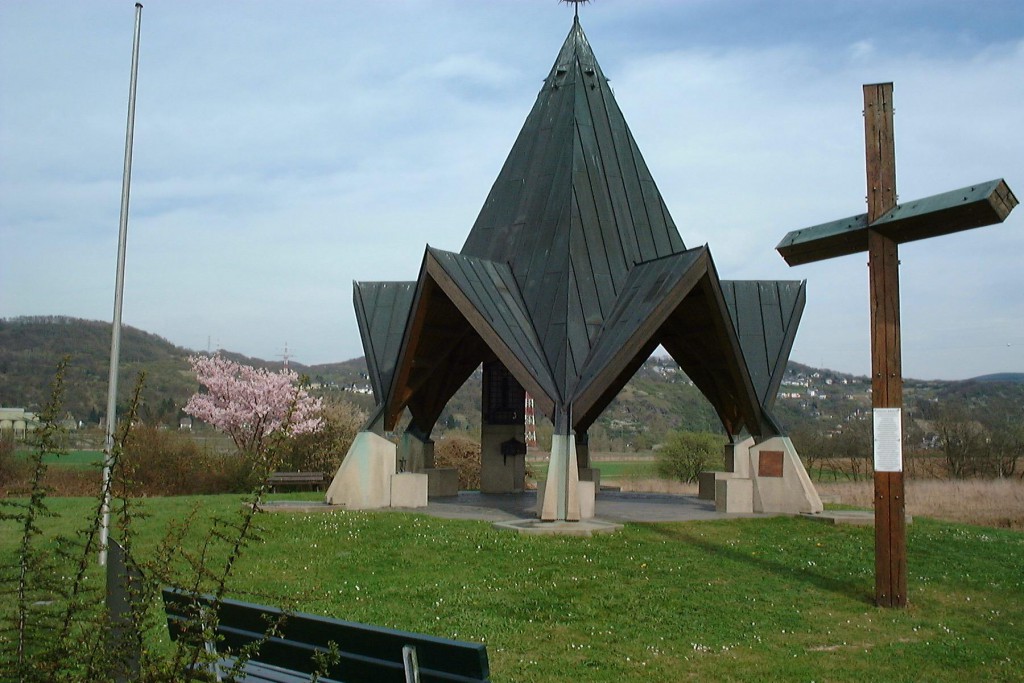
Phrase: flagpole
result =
(115, 336)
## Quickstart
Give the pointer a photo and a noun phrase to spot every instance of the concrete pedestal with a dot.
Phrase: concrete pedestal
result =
(762, 477)
(363, 481)
(588, 494)
(415, 452)
(591, 474)
(737, 457)
(409, 490)
(707, 483)
(560, 499)
(501, 473)
(734, 496)
(442, 481)
(781, 483)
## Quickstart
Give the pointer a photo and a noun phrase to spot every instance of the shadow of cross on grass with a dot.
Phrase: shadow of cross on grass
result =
(773, 552)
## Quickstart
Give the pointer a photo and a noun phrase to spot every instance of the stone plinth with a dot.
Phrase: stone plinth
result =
(501, 473)
(409, 490)
(587, 494)
(417, 452)
(734, 496)
(737, 457)
(707, 481)
(591, 474)
(442, 481)
(363, 481)
(559, 499)
(781, 483)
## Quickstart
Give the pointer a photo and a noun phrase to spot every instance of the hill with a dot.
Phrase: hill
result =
(1001, 377)
(658, 398)
(30, 349)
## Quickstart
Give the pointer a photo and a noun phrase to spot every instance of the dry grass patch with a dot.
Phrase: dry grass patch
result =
(998, 503)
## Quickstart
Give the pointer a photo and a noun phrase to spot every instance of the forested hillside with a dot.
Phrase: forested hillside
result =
(31, 348)
(658, 398)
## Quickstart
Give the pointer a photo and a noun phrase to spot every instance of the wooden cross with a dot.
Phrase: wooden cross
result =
(879, 232)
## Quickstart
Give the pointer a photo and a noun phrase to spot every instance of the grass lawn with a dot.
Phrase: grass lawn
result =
(747, 600)
(74, 459)
(610, 469)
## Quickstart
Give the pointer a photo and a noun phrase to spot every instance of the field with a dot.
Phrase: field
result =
(752, 600)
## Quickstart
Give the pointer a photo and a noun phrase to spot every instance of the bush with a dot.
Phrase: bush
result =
(11, 468)
(53, 624)
(167, 463)
(463, 454)
(323, 450)
(684, 455)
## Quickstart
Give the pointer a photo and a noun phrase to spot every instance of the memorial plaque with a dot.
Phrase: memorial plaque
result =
(770, 464)
(888, 439)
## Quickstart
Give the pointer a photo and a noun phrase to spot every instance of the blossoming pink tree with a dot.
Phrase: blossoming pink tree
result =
(250, 404)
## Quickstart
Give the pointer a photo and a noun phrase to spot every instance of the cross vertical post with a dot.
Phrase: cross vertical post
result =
(886, 364)
(879, 232)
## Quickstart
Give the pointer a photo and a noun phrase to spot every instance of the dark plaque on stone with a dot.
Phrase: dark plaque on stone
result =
(770, 464)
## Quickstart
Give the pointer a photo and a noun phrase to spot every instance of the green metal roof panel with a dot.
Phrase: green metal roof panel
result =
(494, 293)
(382, 311)
(765, 315)
(647, 288)
(969, 207)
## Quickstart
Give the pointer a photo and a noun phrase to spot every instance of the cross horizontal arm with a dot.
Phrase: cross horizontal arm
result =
(969, 207)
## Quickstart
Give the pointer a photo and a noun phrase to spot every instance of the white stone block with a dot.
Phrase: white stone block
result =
(409, 490)
(587, 495)
(734, 495)
(363, 481)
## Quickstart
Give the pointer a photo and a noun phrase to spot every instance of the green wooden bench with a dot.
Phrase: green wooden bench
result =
(311, 480)
(364, 652)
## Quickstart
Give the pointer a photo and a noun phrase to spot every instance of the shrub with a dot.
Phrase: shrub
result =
(11, 468)
(167, 463)
(684, 455)
(463, 454)
(53, 625)
(324, 449)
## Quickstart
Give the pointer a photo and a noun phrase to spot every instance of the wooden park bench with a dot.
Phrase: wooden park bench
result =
(313, 480)
(361, 652)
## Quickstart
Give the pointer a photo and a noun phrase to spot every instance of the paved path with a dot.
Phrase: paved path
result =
(611, 506)
(614, 506)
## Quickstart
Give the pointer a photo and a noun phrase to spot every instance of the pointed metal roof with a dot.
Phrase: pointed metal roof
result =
(572, 275)
(573, 209)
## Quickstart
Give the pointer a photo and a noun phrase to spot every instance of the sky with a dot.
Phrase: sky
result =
(283, 150)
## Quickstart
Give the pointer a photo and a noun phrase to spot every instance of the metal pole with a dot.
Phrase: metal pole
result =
(115, 336)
